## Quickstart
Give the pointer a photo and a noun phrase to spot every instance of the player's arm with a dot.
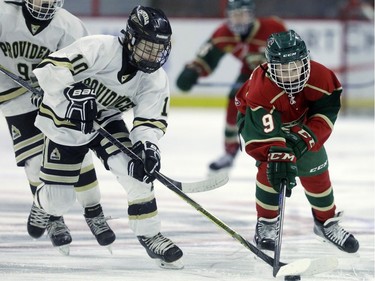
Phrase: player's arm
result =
(204, 64)
(322, 116)
(68, 66)
(261, 129)
(149, 124)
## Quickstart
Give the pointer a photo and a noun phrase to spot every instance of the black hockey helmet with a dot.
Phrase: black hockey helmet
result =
(43, 9)
(241, 15)
(147, 38)
(288, 61)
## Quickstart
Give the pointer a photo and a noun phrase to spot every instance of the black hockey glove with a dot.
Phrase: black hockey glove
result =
(300, 139)
(144, 169)
(281, 165)
(188, 78)
(37, 98)
(82, 108)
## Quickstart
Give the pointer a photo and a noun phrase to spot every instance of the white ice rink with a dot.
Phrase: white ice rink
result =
(193, 139)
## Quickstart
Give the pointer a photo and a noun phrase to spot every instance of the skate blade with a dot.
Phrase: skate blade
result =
(64, 250)
(109, 248)
(308, 267)
(178, 264)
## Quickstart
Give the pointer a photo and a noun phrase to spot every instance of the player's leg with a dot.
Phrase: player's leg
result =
(231, 139)
(314, 176)
(267, 204)
(88, 195)
(60, 170)
(28, 145)
(144, 219)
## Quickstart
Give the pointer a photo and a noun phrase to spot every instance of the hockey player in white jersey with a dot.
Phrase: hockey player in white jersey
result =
(29, 31)
(96, 79)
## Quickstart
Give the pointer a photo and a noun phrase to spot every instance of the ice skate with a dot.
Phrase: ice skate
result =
(265, 233)
(224, 163)
(99, 227)
(59, 234)
(37, 221)
(332, 232)
(166, 254)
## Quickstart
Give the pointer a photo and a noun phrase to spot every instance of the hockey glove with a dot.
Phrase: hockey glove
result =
(82, 108)
(37, 98)
(188, 78)
(281, 165)
(144, 169)
(300, 139)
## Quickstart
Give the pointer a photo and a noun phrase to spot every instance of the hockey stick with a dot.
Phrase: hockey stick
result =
(280, 222)
(303, 266)
(213, 182)
(19, 80)
(279, 237)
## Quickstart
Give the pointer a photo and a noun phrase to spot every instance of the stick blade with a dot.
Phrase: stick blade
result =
(213, 182)
(307, 267)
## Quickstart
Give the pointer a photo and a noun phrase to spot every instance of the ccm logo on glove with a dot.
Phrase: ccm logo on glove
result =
(281, 156)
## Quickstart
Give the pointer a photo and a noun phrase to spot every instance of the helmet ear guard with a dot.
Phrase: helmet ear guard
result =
(43, 9)
(288, 61)
(147, 38)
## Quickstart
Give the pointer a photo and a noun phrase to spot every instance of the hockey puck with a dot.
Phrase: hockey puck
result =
(292, 278)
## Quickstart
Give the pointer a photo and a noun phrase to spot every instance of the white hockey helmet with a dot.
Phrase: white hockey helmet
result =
(43, 9)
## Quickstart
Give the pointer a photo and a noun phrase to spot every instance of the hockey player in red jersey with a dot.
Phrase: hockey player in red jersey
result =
(244, 37)
(287, 110)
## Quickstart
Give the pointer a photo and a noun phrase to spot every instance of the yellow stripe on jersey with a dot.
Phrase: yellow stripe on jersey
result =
(86, 187)
(160, 124)
(325, 118)
(321, 90)
(28, 142)
(12, 94)
(59, 122)
(61, 62)
(204, 65)
(30, 152)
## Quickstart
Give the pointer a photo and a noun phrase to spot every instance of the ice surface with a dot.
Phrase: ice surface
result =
(194, 138)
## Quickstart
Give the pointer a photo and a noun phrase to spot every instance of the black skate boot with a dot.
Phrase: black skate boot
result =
(98, 225)
(59, 234)
(265, 233)
(37, 222)
(332, 232)
(223, 163)
(163, 250)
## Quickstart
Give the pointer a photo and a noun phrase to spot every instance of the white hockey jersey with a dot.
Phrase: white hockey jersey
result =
(22, 48)
(97, 61)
